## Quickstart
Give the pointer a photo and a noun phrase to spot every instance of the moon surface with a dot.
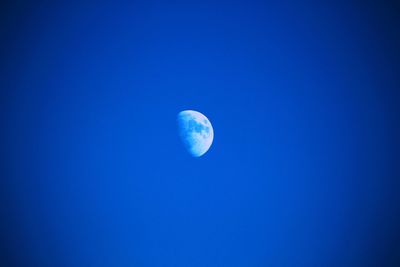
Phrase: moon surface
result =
(196, 132)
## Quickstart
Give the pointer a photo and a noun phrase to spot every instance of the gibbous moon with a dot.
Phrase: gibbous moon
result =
(196, 132)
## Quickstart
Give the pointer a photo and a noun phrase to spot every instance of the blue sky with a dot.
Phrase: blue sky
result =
(304, 102)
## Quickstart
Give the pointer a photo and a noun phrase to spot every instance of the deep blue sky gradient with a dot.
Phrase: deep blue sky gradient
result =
(304, 100)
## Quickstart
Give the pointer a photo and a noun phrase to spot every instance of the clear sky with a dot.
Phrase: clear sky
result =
(304, 101)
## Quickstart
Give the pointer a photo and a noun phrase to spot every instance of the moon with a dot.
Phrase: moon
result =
(196, 132)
